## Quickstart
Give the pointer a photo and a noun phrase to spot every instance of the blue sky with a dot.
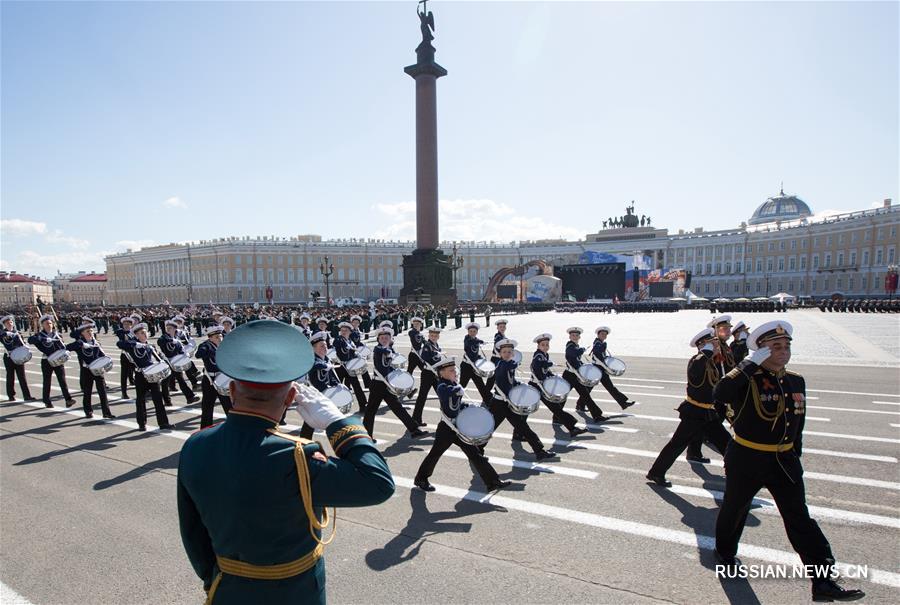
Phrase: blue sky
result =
(127, 123)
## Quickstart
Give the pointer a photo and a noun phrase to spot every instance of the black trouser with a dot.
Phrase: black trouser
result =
(746, 472)
(611, 388)
(695, 422)
(13, 371)
(193, 374)
(444, 437)
(413, 361)
(501, 411)
(142, 387)
(560, 416)
(353, 383)
(47, 371)
(178, 377)
(584, 395)
(126, 374)
(489, 383)
(88, 381)
(427, 382)
(367, 380)
(694, 448)
(379, 393)
(467, 372)
(208, 402)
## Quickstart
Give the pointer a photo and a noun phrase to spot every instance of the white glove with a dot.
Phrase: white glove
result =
(316, 409)
(760, 355)
(459, 389)
(87, 345)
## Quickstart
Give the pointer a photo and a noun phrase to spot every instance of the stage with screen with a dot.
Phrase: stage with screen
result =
(662, 289)
(601, 280)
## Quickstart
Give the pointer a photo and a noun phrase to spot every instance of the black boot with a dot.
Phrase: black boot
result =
(827, 590)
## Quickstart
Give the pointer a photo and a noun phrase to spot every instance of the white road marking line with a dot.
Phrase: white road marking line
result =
(618, 429)
(854, 393)
(854, 437)
(768, 506)
(895, 425)
(634, 528)
(544, 468)
(855, 410)
(870, 457)
(8, 596)
(886, 402)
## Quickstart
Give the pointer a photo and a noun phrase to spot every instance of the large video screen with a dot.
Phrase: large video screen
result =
(662, 289)
(603, 280)
(507, 292)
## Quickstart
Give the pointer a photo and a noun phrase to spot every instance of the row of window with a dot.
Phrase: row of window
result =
(791, 263)
(762, 287)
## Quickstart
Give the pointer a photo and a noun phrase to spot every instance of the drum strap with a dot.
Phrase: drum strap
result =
(499, 394)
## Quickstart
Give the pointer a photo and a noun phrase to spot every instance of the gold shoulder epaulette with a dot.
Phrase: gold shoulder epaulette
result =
(792, 373)
(290, 437)
(733, 373)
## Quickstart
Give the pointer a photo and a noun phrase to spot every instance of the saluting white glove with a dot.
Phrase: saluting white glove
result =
(316, 409)
(760, 355)
(459, 389)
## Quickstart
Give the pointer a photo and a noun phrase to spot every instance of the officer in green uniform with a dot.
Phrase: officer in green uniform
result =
(766, 405)
(251, 499)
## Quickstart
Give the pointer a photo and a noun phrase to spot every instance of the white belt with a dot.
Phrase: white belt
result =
(499, 394)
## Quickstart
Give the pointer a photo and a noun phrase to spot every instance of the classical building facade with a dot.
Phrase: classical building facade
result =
(17, 289)
(782, 248)
(82, 287)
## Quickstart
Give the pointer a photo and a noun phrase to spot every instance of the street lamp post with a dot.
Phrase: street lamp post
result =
(16, 290)
(327, 270)
(456, 263)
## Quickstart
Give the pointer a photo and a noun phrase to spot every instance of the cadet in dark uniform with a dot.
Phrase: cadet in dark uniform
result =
(251, 500)
(495, 353)
(227, 324)
(738, 344)
(322, 375)
(540, 371)
(13, 340)
(698, 413)
(766, 405)
(206, 352)
(304, 325)
(88, 350)
(450, 394)
(573, 362)
(506, 380)
(346, 350)
(598, 352)
(356, 337)
(431, 353)
(381, 358)
(416, 340)
(126, 366)
(49, 341)
(144, 356)
(472, 353)
(171, 347)
(187, 342)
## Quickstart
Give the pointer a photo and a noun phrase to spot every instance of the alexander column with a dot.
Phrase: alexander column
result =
(426, 272)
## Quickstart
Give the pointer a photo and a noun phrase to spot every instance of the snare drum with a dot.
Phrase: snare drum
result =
(221, 383)
(364, 351)
(20, 355)
(355, 366)
(188, 351)
(156, 373)
(474, 425)
(58, 358)
(180, 363)
(589, 375)
(517, 356)
(101, 366)
(332, 356)
(398, 362)
(400, 383)
(524, 399)
(556, 389)
(613, 365)
(341, 396)
(484, 368)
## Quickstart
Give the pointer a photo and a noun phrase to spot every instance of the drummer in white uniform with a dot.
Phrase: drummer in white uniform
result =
(598, 352)
(450, 394)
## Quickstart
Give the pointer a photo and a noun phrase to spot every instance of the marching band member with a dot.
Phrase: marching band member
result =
(48, 341)
(599, 352)
(206, 352)
(416, 340)
(13, 340)
(322, 375)
(171, 347)
(450, 394)
(304, 325)
(698, 413)
(322, 324)
(472, 353)
(186, 341)
(540, 369)
(739, 334)
(144, 356)
(431, 353)
(766, 405)
(573, 362)
(381, 357)
(345, 351)
(88, 350)
(126, 373)
(356, 338)
(227, 326)
(495, 353)
(506, 380)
